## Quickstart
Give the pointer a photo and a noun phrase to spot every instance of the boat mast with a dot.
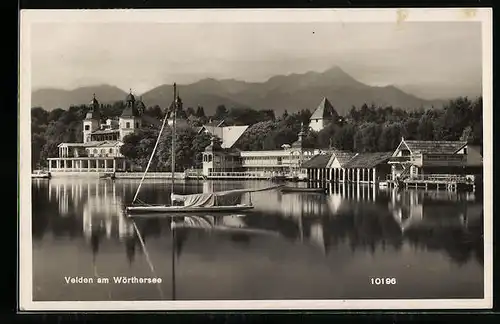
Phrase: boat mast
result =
(150, 159)
(174, 115)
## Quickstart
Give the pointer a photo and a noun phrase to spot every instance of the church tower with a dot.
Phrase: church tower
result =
(91, 122)
(130, 119)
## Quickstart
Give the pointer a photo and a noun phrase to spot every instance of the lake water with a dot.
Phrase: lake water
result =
(428, 244)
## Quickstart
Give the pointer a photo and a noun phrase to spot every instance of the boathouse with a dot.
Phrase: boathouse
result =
(413, 158)
(348, 167)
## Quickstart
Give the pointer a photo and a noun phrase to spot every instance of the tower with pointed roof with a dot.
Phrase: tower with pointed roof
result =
(323, 115)
(92, 119)
(176, 106)
(130, 119)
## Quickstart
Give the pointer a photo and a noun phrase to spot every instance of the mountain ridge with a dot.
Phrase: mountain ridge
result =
(292, 92)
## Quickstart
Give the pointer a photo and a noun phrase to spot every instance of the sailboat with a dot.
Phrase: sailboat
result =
(223, 201)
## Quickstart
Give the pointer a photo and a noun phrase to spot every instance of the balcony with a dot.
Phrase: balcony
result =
(441, 160)
(430, 159)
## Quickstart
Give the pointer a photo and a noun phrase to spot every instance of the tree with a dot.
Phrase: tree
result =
(390, 137)
(457, 115)
(155, 112)
(55, 114)
(200, 112)
(200, 142)
(326, 134)
(254, 137)
(221, 112)
(343, 139)
(188, 149)
(366, 138)
(190, 111)
(138, 147)
(425, 128)
(411, 128)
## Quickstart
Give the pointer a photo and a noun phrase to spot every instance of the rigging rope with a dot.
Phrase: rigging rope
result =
(151, 267)
(151, 158)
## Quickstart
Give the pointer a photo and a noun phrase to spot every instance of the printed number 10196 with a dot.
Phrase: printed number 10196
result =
(383, 281)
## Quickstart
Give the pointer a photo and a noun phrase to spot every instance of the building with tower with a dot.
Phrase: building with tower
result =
(219, 160)
(323, 115)
(99, 151)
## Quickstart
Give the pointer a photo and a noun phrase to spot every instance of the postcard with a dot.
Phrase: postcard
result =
(326, 159)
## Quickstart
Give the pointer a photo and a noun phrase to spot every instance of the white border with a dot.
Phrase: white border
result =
(483, 15)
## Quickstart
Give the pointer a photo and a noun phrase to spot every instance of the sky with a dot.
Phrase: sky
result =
(429, 58)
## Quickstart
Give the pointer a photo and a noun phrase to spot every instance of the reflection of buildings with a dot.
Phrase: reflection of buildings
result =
(307, 204)
(64, 192)
(426, 209)
(103, 211)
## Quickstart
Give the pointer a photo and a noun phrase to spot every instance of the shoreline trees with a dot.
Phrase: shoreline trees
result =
(363, 129)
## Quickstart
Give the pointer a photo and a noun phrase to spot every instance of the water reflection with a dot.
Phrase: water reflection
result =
(357, 215)
(348, 222)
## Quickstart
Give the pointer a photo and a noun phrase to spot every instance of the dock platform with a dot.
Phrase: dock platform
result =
(438, 182)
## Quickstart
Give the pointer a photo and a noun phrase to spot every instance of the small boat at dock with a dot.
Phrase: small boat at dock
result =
(108, 176)
(40, 174)
(383, 184)
(279, 178)
(299, 189)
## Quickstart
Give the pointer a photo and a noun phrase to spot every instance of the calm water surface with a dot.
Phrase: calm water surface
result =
(291, 246)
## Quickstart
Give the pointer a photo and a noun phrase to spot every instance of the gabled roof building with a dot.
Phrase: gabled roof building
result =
(323, 115)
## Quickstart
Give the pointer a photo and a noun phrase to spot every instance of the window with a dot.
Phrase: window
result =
(110, 150)
(127, 125)
(95, 151)
(136, 125)
(87, 127)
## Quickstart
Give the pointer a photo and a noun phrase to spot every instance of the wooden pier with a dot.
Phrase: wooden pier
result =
(437, 181)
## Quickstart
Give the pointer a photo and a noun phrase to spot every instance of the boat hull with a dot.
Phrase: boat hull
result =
(185, 210)
(36, 176)
(311, 190)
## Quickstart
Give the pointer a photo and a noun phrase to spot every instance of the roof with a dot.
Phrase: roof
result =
(228, 134)
(94, 103)
(72, 145)
(343, 156)
(317, 161)
(215, 123)
(436, 147)
(368, 160)
(93, 114)
(103, 143)
(93, 144)
(325, 110)
(105, 131)
(130, 97)
(130, 110)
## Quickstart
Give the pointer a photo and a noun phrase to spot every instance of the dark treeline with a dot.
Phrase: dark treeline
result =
(363, 129)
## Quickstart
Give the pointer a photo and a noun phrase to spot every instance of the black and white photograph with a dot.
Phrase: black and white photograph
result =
(255, 159)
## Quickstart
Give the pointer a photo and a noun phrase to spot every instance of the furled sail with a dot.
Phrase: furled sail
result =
(220, 198)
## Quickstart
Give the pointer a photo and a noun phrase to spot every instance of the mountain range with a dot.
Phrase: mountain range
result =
(291, 92)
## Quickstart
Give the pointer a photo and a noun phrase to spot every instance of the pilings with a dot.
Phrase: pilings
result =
(343, 175)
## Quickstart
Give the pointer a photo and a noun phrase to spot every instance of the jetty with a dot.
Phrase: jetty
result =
(436, 181)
